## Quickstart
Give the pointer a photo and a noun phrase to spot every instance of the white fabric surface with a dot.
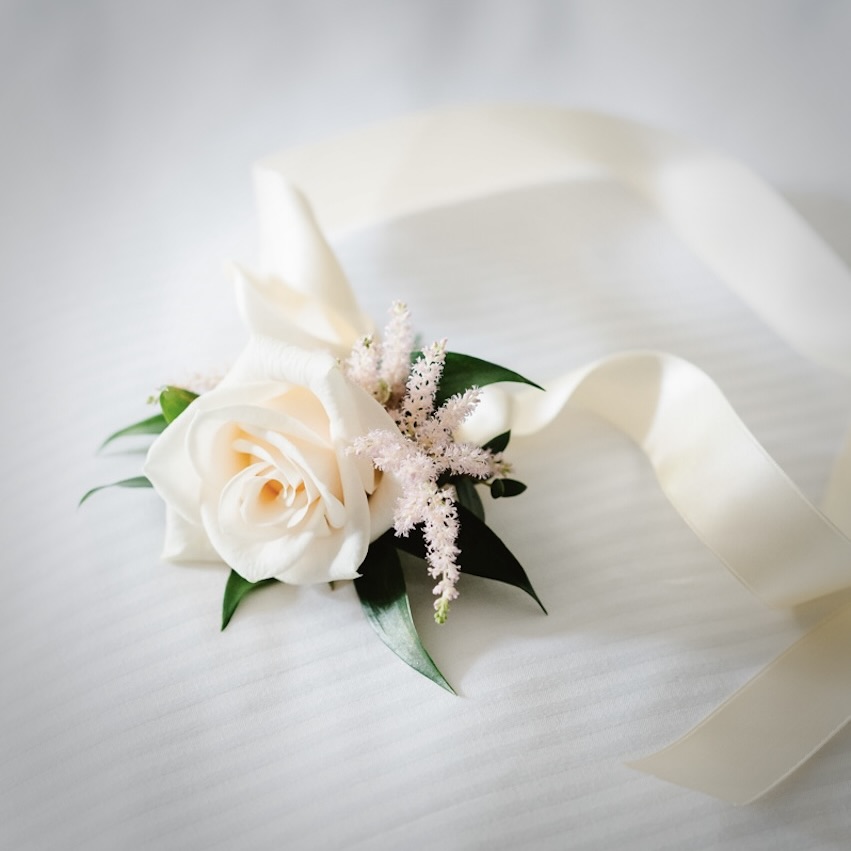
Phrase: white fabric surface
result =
(128, 720)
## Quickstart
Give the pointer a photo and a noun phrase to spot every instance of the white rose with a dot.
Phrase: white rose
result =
(256, 472)
(302, 297)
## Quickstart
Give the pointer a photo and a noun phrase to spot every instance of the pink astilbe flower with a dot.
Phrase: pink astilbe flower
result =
(396, 353)
(422, 385)
(455, 410)
(467, 459)
(382, 367)
(362, 366)
(424, 449)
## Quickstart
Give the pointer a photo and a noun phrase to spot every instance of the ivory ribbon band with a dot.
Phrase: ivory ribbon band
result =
(765, 530)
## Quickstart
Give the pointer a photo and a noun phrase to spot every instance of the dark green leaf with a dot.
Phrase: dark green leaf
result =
(153, 425)
(381, 589)
(135, 482)
(468, 495)
(482, 553)
(506, 487)
(174, 401)
(488, 557)
(460, 372)
(499, 443)
(235, 592)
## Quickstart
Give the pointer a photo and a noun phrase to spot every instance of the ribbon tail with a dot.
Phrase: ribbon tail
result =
(771, 725)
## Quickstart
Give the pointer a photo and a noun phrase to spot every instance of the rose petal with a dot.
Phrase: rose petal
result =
(283, 418)
(186, 541)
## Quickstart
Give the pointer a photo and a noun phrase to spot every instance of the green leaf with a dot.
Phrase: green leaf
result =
(153, 425)
(468, 495)
(174, 401)
(506, 487)
(482, 553)
(235, 591)
(460, 372)
(381, 589)
(135, 482)
(498, 443)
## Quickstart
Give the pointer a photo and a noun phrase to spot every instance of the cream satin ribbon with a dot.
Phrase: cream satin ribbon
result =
(764, 530)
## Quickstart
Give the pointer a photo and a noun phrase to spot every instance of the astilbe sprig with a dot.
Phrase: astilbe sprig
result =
(382, 367)
(424, 451)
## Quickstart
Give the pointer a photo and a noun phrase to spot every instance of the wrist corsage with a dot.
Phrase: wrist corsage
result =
(327, 450)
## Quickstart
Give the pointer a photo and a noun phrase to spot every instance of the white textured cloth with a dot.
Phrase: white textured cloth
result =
(129, 721)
